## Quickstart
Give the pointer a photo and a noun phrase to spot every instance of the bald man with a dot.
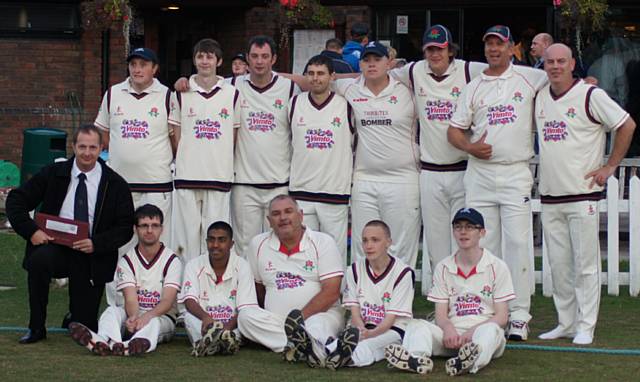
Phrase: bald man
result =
(540, 42)
(572, 119)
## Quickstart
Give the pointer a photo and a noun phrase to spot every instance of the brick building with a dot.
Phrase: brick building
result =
(53, 72)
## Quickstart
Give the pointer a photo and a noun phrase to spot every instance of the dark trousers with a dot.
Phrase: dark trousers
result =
(55, 261)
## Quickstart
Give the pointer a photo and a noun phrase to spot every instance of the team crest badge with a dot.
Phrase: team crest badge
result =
(278, 104)
(309, 266)
(486, 291)
(386, 297)
(187, 286)
(571, 113)
(455, 92)
(224, 113)
(393, 100)
(154, 112)
(434, 33)
(517, 97)
(232, 294)
(119, 274)
(336, 122)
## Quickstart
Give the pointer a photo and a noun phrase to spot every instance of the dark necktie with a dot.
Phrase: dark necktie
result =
(80, 204)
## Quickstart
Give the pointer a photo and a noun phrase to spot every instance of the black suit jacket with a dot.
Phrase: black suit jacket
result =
(113, 217)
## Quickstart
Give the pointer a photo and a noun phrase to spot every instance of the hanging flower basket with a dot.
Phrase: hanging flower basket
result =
(301, 14)
(102, 14)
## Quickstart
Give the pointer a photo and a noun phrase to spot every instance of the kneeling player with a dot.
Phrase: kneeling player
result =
(215, 287)
(470, 289)
(379, 294)
(149, 276)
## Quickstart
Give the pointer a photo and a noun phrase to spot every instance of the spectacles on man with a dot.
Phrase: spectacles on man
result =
(465, 227)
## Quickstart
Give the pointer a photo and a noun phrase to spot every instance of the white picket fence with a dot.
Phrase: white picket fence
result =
(614, 206)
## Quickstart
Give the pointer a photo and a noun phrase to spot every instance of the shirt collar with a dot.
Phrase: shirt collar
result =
(485, 261)
(274, 76)
(155, 87)
(450, 69)
(193, 85)
(384, 93)
(228, 272)
(92, 176)
(275, 243)
(505, 75)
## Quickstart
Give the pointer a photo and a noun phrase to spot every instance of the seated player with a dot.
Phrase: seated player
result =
(470, 289)
(149, 277)
(379, 294)
(215, 287)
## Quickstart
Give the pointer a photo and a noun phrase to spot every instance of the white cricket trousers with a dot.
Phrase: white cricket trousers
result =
(332, 219)
(193, 326)
(249, 211)
(571, 234)
(162, 200)
(441, 196)
(195, 211)
(398, 205)
(111, 326)
(502, 194)
(423, 338)
(371, 350)
(267, 328)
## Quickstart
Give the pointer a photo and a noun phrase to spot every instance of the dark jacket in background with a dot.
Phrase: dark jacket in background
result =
(339, 65)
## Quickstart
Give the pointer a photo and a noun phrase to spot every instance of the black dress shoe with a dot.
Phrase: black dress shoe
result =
(33, 336)
(66, 321)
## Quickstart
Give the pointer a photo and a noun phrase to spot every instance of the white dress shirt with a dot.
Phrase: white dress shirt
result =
(92, 182)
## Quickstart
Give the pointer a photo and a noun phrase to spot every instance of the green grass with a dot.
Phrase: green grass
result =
(58, 358)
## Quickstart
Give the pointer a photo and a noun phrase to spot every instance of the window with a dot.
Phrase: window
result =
(39, 19)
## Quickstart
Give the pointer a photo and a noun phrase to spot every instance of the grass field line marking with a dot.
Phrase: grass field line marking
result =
(509, 346)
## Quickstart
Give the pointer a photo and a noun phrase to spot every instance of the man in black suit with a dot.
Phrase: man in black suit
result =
(81, 188)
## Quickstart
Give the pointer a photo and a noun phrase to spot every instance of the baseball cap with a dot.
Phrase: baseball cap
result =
(240, 56)
(375, 47)
(501, 31)
(469, 214)
(436, 35)
(359, 29)
(143, 53)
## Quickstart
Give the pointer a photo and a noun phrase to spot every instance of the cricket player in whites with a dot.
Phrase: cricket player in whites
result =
(493, 124)
(379, 294)
(470, 290)
(322, 161)
(573, 119)
(205, 121)
(298, 273)
(216, 286)
(437, 82)
(149, 276)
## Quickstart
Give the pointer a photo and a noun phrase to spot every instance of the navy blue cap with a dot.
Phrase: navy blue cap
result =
(437, 35)
(375, 47)
(469, 214)
(143, 53)
(501, 31)
(240, 56)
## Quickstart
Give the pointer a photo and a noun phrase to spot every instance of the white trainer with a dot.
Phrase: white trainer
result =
(556, 333)
(583, 338)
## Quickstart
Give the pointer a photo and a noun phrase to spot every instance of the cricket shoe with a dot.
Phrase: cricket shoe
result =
(467, 356)
(556, 333)
(347, 342)
(298, 344)
(210, 342)
(229, 344)
(400, 358)
(137, 346)
(92, 341)
(316, 353)
(518, 330)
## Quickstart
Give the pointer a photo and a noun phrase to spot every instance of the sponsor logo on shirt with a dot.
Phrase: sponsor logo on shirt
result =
(372, 313)
(132, 128)
(222, 313)
(501, 115)
(555, 131)
(468, 305)
(207, 129)
(360, 100)
(287, 280)
(440, 110)
(376, 118)
(261, 121)
(148, 299)
(319, 139)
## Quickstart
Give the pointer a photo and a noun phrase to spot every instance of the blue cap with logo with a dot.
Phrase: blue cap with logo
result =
(469, 214)
(143, 53)
(375, 47)
(436, 35)
(501, 31)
